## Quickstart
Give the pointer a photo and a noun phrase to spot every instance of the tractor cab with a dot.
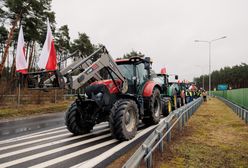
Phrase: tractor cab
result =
(136, 70)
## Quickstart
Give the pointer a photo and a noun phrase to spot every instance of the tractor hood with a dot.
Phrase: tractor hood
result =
(109, 83)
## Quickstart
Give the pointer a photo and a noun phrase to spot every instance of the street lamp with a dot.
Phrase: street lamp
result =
(209, 44)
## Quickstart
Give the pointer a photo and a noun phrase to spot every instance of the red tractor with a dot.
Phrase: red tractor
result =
(127, 95)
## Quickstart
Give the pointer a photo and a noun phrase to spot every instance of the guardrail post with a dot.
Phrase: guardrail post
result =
(183, 119)
(185, 115)
(188, 113)
(147, 160)
(242, 114)
(239, 112)
(168, 136)
(193, 110)
(179, 121)
(161, 144)
(246, 118)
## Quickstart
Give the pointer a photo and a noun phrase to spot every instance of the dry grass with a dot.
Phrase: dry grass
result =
(213, 137)
(32, 109)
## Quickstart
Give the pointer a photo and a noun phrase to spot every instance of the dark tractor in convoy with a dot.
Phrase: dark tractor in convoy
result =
(123, 92)
(173, 93)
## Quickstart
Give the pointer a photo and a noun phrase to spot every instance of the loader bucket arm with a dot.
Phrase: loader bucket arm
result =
(89, 66)
(104, 61)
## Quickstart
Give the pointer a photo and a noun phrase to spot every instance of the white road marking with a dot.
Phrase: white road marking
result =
(39, 140)
(48, 144)
(74, 154)
(38, 155)
(29, 135)
(96, 160)
(46, 132)
(34, 141)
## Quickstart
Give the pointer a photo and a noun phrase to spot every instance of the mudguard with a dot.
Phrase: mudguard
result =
(148, 88)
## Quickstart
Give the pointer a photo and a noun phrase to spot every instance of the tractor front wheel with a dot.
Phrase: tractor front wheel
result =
(123, 119)
(155, 109)
(75, 123)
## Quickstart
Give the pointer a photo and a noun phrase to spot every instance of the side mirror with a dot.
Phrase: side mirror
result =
(176, 77)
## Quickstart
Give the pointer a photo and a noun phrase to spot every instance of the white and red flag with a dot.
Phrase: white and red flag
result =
(48, 58)
(21, 63)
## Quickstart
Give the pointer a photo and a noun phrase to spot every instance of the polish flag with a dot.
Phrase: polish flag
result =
(48, 58)
(21, 63)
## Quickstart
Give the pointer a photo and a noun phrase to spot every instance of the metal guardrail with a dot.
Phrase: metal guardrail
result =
(241, 112)
(145, 151)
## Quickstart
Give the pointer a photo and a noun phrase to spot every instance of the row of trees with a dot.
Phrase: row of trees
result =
(32, 15)
(235, 76)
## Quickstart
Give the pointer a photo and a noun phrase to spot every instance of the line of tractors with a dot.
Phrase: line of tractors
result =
(123, 92)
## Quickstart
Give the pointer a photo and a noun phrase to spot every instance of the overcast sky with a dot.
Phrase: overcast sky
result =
(164, 30)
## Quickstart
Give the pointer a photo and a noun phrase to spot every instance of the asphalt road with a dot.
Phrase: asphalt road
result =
(45, 142)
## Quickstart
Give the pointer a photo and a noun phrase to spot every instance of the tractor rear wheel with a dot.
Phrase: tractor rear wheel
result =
(123, 119)
(155, 109)
(75, 123)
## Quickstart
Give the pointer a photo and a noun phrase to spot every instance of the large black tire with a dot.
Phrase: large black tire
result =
(155, 109)
(179, 102)
(166, 108)
(174, 102)
(123, 119)
(74, 122)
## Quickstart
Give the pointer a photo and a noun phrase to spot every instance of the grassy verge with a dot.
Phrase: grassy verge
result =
(32, 109)
(213, 137)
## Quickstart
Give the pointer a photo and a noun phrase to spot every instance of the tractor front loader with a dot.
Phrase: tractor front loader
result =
(121, 92)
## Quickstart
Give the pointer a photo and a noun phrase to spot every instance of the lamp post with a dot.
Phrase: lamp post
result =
(209, 47)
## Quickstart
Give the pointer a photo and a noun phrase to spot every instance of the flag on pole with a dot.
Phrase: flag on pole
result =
(48, 58)
(21, 63)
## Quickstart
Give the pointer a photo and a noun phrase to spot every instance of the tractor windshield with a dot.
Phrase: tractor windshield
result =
(127, 71)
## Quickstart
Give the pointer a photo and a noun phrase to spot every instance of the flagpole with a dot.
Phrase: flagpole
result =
(19, 89)
(19, 94)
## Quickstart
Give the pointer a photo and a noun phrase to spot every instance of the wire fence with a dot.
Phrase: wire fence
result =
(237, 96)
